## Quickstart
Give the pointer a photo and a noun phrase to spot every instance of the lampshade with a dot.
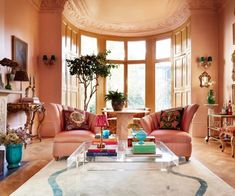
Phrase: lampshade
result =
(21, 76)
(101, 121)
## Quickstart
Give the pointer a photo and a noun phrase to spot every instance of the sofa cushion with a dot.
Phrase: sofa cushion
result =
(171, 119)
(75, 136)
(75, 120)
(171, 136)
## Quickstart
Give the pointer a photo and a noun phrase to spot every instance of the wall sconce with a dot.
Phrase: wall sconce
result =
(48, 61)
(205, 61)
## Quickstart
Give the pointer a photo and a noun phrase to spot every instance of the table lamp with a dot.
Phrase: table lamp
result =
(21, 76)
(101, 121)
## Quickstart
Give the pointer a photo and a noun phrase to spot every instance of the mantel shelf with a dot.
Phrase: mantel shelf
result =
(6, 92)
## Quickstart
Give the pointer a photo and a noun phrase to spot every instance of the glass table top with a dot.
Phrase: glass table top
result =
(163, 157)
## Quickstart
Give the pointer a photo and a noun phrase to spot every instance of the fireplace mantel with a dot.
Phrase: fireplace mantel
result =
(3, 106)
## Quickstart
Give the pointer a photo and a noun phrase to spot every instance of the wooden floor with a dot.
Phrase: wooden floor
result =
(38, 154)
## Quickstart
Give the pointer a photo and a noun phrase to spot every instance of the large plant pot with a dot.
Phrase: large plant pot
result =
(13, 155)
(117, 106)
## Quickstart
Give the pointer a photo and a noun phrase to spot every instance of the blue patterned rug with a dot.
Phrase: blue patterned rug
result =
(128, 179)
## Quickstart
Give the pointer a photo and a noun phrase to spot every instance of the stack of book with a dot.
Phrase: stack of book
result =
(108, 141)
(109, 150)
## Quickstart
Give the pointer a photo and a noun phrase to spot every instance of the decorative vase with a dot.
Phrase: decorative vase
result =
(13, 155)
(117, 106)
(8, 86)
(133, 132)
(211, 97)
(141, 135)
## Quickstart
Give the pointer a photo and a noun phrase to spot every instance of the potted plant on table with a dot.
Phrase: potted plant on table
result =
(14, 141)
(117, 99)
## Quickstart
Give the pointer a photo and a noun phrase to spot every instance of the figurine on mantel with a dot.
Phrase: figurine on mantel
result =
(1, 82)
(33, 98)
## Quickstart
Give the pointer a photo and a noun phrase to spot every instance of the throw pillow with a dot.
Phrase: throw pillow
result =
(75, 120)
(171, 119)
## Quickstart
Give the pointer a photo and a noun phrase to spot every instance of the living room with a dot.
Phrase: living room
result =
(167, 45)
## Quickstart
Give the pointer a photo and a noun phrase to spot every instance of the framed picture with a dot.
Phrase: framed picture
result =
(233, 33)
(20, 52)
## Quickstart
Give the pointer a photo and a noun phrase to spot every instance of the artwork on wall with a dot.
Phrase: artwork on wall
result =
(20, 52)
(233, 33)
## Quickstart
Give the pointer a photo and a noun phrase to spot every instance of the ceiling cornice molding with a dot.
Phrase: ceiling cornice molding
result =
(78, 14)
(203, 4)
(52, 5)
(36, 4)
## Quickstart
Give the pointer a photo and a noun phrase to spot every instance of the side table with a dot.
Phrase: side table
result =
(228, 131)
(223, 120)
(30, 109)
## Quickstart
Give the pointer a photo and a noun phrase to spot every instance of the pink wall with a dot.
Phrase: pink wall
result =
(226, 48)
(2, 17)
(50, 39)
(204, 36)
(22, 20)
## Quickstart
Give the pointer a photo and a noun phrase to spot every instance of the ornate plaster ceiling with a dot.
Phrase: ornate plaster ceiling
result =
(127, 17)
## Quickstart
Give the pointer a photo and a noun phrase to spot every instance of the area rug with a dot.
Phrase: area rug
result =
(125, 179)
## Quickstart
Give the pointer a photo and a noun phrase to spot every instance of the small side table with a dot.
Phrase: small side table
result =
(30, 109)
(228, 131)
(210, 110)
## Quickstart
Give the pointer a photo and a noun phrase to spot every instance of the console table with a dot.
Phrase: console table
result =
(30, 109)
(215, 125)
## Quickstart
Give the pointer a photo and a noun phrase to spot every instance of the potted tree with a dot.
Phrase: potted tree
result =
(88, 69)
(117, 99)
(14, 141)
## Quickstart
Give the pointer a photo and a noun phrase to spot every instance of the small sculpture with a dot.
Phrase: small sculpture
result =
(1, 82)
(233, 60)
(28, 88)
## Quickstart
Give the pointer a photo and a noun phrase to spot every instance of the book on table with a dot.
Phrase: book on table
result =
(131, 139)
(94, 154)
(144, 150)
(146, 147)
(107, 141)
(109, 150)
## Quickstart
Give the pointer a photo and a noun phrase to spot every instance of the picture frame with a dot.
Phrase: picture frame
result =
(233, 33)
(205, 79)
(20, 52)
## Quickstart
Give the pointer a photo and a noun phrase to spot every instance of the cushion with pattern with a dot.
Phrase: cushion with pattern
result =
(75, 120)
(171, 119)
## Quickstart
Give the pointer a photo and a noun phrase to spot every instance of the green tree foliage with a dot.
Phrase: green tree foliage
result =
(88, 69)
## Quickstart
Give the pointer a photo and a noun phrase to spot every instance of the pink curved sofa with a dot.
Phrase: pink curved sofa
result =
(66, 142)
(179, 141)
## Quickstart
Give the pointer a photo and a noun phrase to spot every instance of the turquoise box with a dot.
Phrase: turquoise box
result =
(147, 147)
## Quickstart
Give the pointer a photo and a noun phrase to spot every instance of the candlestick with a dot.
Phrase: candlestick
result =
(29, 80)
(33, 81)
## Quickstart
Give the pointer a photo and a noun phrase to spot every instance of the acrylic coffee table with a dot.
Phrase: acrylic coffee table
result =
(106, 175)
(164, 157)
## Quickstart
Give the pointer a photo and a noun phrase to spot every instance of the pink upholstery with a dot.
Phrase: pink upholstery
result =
(171, 136)
(179, 141)
(65, 142)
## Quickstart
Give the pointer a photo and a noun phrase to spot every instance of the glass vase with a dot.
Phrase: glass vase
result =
(211, 97)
